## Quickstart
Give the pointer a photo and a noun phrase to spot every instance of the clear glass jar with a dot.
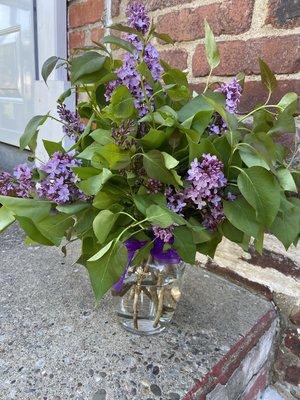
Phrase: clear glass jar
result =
(149, 296)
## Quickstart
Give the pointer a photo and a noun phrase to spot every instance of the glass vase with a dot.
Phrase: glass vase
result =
(147, 301)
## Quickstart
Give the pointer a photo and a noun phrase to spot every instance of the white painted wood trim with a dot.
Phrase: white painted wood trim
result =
(52, 41)
(52, 33)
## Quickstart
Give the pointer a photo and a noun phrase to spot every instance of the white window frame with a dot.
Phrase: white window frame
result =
(51, 41)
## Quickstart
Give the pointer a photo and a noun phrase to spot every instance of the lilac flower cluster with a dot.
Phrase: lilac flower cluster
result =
(59, 184)
(175, 199)
(128, 74)
(7, 187)
(232, 92)
(207, 180)
(24, 184)
(73, 127)
(154, 186)
(19, 184)
(121, 135)
(138, 17)
(164, 234)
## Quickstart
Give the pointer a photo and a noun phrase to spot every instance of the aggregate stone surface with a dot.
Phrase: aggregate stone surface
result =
(55, 345)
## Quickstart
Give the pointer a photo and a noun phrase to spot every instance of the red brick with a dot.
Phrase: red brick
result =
(237, 55)
(283, 13)
(295, 314)
(176, 58)
(76, 39)
(115, 8)
(89, 12)
(257, 387)
(292, 375)
(188, 24)
(97, 34)
(254, 93)
(155, 4)
(292, 341)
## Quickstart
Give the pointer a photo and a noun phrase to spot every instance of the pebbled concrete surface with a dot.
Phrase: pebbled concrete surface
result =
(54, 345)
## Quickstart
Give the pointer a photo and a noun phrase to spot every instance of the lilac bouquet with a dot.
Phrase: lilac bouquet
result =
(157, 173)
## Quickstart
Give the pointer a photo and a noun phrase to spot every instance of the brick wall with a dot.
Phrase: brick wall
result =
(245, 30)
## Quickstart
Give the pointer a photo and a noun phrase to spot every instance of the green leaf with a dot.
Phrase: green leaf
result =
(120, 43)
(267, 76)
(164, 37)
(194, 106)
(89, 152)
(184, 244)
(209, 248)
(84, 66)
(52, 147)
(154, 139)
(286, 226)
(159, 216)
(285, 122)
(251, 157)
(103, 224)
(211, 49)
(102, 136)
(232, 233)
(154, 164)
(261, 189)
(142, 202)
(288, 99)
(107, 268)
(116, 158)
(48, 67)
(33, 232)
(104, 199)
(93, 184)
(197, 149)
(64, 95)
(73, 208)
(30, 134)
(85, 172)
(121, 105)
(144, 70)
(286, 179)
(170, 162)
(33, 209)
(242, 216)
(127, 29)
(55, 227)
(6, 218)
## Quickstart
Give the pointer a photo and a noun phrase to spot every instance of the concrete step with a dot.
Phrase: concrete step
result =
(54, 345)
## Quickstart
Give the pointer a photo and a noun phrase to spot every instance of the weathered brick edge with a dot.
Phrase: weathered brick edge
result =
(222, 371)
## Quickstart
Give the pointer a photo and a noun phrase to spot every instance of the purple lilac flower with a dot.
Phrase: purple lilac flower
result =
(73, 127)
(175, 200)
(122, 136)
(6, 184)
(232, 92)
(24, 183)
(213, 217)
(154, 186)
(128, 74)
(207, 180)
(59, 185)
(138, 17)
(231, 196)
(164, 234)
(151, 58)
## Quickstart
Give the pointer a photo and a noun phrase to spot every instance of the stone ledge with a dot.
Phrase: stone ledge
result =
(54, 345)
